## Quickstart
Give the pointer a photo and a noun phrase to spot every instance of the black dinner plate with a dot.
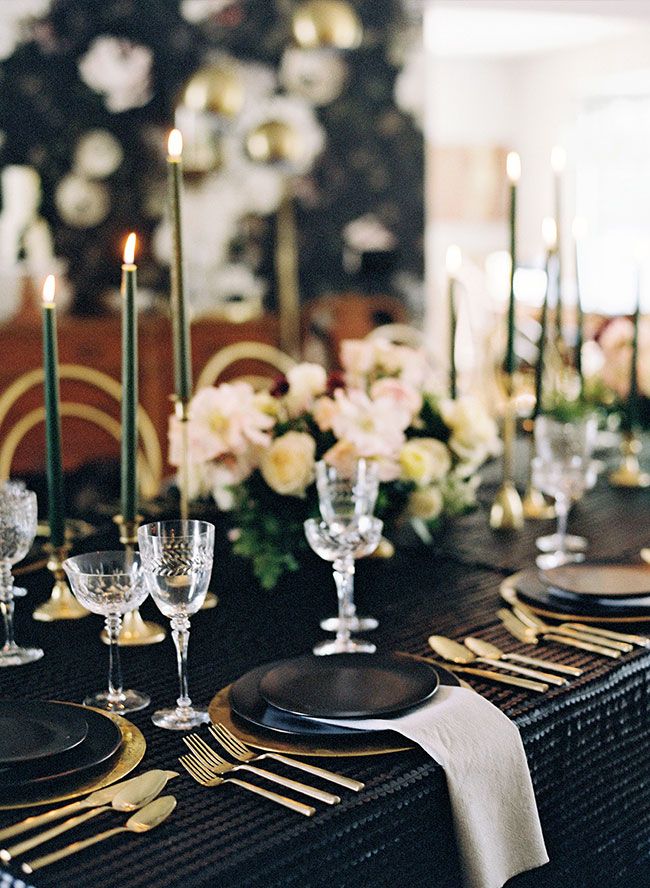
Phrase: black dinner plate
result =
(531, 589)
(100, 745)
(599, 581)
(348, 685)
(33, 731)
(251, 708)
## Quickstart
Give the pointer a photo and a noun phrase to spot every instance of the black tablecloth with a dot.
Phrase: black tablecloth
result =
(588, 745)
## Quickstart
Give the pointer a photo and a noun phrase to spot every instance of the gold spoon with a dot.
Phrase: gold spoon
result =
(149, 817)
(97, 799)
(458, 653)
(485, 649)
(140, 791)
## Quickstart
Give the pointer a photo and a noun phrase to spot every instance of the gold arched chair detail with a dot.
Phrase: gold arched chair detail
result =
(258, 352)
(150, 461)
(400, 334)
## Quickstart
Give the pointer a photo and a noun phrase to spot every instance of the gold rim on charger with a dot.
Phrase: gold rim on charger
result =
(508, 592)
(130, 755)
(219, 711)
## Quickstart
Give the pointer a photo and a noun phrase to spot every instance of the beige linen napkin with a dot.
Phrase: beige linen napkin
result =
(491, 793)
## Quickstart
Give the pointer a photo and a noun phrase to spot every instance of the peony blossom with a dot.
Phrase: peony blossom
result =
(324, 412)
(306, 382)
(616, 345)
(367, 360)
(399, 392)
(474, 434)
(288, 465)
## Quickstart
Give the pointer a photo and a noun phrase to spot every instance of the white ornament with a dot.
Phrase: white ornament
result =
(98, 154)
(317, 75)
(80, 202)
(120, 71)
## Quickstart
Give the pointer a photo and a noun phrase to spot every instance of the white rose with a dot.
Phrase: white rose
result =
(424, 460)
(425, 503)
(288, 464)
(306, 381)
(474, 432)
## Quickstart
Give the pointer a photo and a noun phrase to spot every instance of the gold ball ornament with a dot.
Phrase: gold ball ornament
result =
(326, 23)
(214, 89)
(274, 141)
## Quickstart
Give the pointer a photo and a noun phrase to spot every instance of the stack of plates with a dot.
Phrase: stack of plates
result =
(48, 750)
(278, 701)
(611, 591)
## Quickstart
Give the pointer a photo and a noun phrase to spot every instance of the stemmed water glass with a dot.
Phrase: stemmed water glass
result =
(348, 531)
(177, 560)
(18, 520)
(110, 584)
(561, 468)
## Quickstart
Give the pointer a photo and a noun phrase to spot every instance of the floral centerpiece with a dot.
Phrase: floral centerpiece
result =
(255, 452)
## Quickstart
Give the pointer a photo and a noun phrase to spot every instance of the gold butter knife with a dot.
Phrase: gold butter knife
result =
(638, 640)
(597, 644)
(498, 677)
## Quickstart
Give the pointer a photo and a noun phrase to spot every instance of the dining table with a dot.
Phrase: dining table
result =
(587, 743)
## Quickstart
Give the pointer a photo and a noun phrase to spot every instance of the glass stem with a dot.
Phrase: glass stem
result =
(113, 624)
(562, 509)
(181, 636)
(7, 605)
(344, 579)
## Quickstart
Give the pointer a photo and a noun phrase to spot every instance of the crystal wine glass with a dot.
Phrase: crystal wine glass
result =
(18, 520)
(561, 443)
(343, 500)
(554, 440)
(177, 560)
(343, 549)
(110, 584)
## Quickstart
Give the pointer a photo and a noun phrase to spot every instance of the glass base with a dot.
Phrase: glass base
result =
(180, 719)
(351, 646)
(553, 541)
(558, 559)
(18, 656)
(357, 624)
(130, 701)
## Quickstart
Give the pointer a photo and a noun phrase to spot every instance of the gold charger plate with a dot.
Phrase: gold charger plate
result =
(508, 592)
(219, 711)
(130, 755)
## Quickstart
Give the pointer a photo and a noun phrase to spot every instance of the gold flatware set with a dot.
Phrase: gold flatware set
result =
(208, 767)
(139, 794)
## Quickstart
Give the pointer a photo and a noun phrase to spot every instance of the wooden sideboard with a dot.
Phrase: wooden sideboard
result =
(96, 343)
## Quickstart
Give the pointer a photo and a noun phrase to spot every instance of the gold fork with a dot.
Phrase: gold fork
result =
(238, 750)
(219, 765)
(205, 778)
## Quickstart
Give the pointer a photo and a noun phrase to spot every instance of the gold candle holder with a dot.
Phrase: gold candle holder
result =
(135, 631)
(534, 505)
(507, 512)
(629, 473)
(61, 605)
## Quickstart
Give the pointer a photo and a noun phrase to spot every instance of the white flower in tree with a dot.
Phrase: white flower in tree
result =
(120, 71)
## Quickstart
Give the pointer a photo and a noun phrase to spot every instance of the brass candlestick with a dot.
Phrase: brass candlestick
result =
(135, 630)
(629, 473)
(507, 512)
(534, 505)
(61, 605)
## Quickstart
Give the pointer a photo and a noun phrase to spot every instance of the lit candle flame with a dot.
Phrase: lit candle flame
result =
(129, 249)
(175, 144)
(558, 159)
(48, 290)
(549, 232)
(513, 166)
(453, 260)
(579, 227)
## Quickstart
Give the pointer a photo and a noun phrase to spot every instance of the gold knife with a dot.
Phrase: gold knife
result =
(639, 640)
(483, 673)
(597, 645)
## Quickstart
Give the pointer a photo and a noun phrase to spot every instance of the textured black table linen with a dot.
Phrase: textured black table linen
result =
(588, 745)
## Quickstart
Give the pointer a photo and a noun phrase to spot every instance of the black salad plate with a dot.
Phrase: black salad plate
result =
(533, 590)
(33, 731)
(251, 708)
(100, 745)
(348, 685)
(599, 581)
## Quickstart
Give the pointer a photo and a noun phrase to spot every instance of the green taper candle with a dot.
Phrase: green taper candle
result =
(453, 262)
(579, 231)
(558, 165)
(55, 497)
(129, 478)
(180, 319)
(633, 397)
(549, 234)
(513, 169)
